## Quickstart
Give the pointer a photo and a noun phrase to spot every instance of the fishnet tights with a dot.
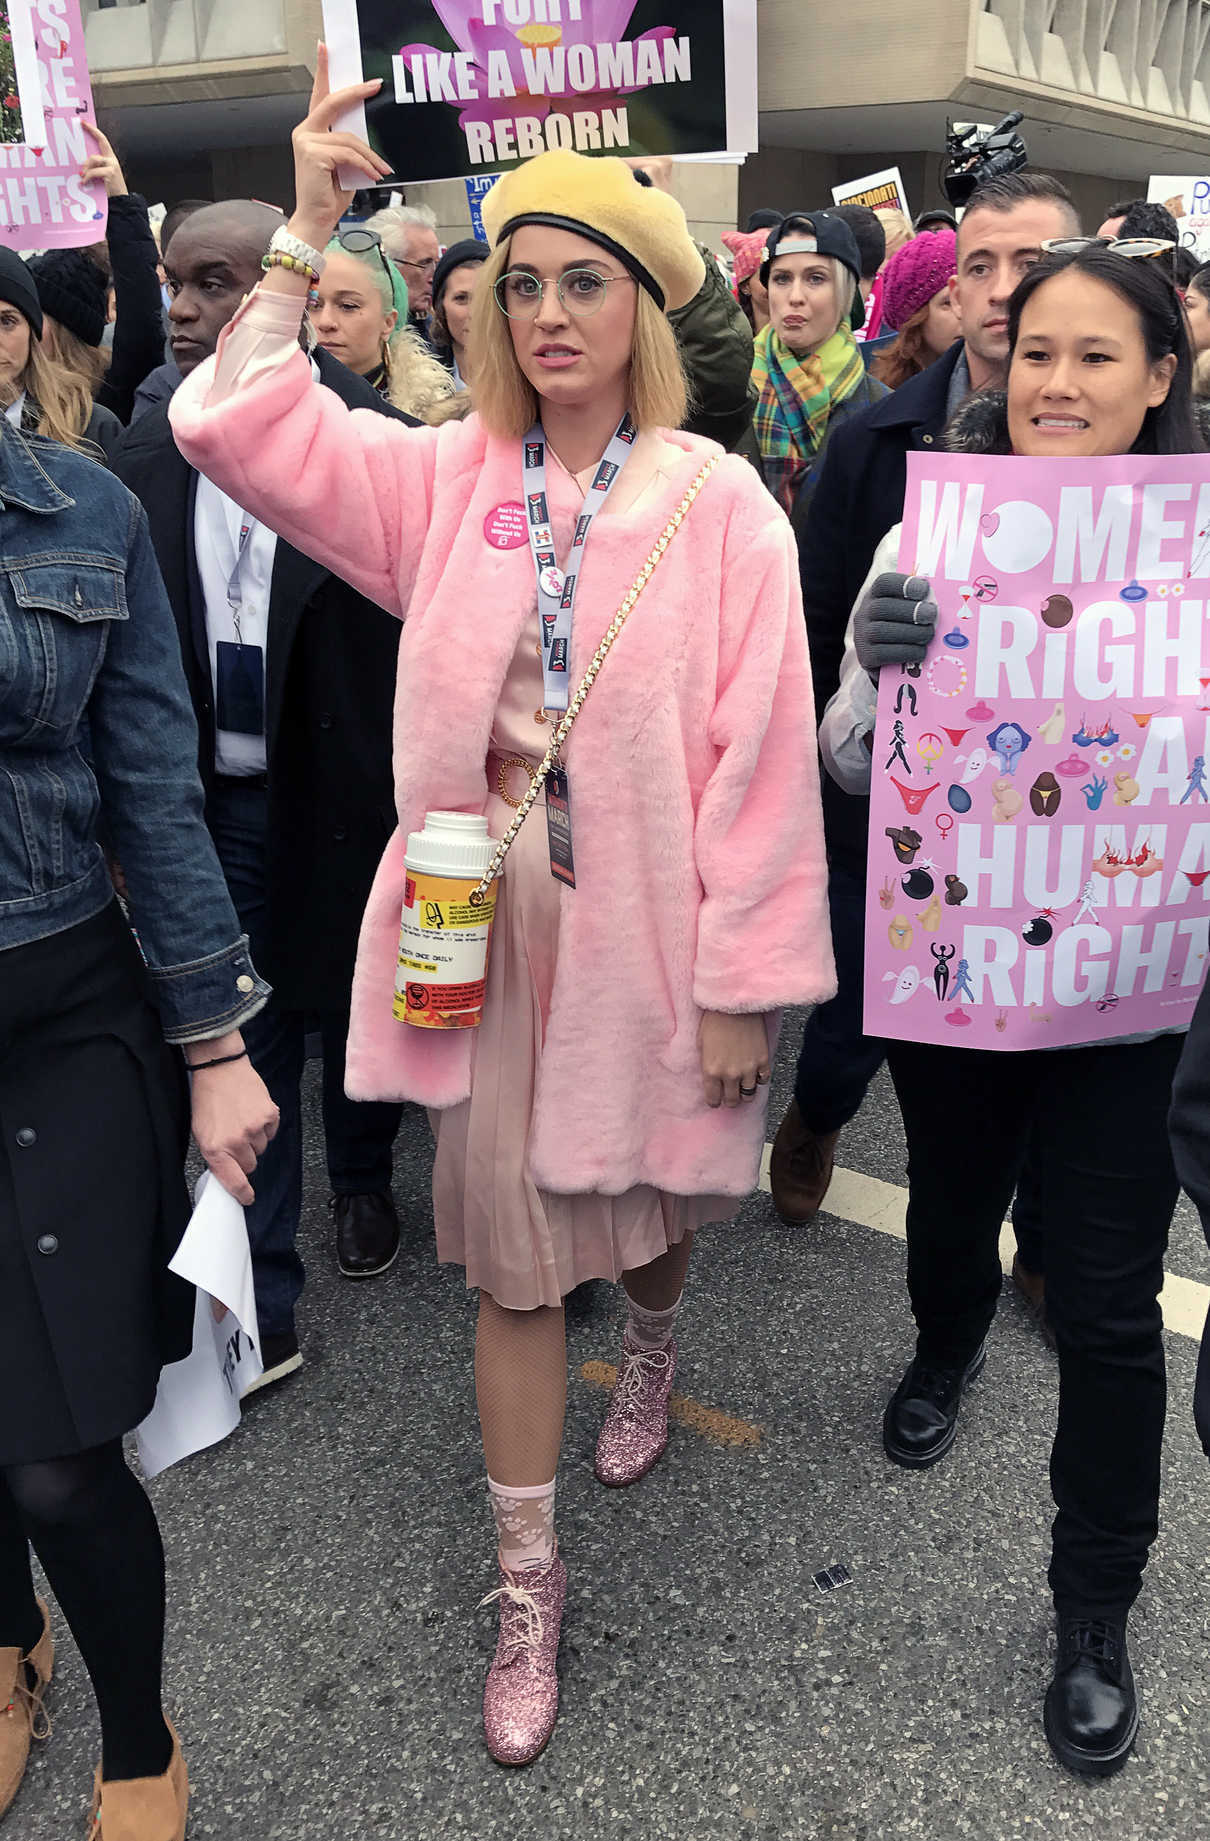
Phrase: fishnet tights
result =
(521, 1387)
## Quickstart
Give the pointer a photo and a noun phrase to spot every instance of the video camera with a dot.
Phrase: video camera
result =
(972, 157)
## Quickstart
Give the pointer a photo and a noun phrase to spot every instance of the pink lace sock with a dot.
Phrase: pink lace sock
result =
(525, 1524)
(651, 1329)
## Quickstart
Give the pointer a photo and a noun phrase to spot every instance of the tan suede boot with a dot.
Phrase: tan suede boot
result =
(144, 1808)
(22, 1715)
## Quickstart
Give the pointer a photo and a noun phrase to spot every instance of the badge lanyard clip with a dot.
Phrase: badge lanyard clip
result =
(235, 592)
(557, 587)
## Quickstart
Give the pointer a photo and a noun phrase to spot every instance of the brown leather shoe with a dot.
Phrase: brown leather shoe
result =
(801, 1168)
(143, 1808)
(22, 1715)
(1032, 1286)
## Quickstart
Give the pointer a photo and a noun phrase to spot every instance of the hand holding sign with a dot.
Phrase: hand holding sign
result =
(895, 622)
(319, 154)
(233, 1120)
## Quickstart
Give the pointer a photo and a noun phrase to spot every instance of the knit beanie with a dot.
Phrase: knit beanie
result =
(747, 250)
(72, 290)
(18, 289)
(458, 255)
(915, 273)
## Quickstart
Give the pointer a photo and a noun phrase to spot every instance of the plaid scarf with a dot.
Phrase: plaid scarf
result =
(797, 395)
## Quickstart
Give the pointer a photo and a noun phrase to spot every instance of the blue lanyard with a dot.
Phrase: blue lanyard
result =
(557, 587)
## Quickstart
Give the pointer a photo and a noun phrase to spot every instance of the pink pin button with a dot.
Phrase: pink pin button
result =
(505, 527)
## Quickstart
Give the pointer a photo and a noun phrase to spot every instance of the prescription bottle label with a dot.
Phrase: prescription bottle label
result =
(443, 949)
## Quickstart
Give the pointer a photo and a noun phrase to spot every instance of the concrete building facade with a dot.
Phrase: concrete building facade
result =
(201, 96)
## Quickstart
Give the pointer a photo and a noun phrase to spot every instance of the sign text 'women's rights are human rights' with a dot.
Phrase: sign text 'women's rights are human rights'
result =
(44, 98)
(472, 86)
(1039, 867)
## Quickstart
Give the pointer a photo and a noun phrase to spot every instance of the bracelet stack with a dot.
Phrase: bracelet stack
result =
(276, 259)
(291, 253)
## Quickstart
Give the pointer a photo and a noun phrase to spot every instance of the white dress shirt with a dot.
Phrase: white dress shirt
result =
(216, 533)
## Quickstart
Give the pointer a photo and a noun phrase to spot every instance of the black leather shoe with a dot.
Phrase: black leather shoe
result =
(1092, 1711)
(367, 1234)
(281, 1357)
(921, 1420)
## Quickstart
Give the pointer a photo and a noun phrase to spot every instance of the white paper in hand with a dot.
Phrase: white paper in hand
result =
(342, 35)
(197, 1401)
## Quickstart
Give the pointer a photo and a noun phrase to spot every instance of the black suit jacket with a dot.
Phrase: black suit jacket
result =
(858, 498)
(329, 698)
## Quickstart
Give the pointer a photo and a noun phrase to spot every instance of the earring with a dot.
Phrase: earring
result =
(386, 357)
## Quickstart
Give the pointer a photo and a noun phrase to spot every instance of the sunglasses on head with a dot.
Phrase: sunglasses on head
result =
(359, 242)
(1144, 247)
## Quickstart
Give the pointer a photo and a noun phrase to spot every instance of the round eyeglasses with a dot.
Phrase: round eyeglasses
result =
(581, 290)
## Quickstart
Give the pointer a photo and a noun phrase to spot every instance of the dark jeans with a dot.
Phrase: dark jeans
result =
(1095, 1124)
(837, 1061)
(1190, 1126)
(360, 1137)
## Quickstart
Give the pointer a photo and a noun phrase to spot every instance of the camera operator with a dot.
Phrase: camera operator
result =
(974, 158)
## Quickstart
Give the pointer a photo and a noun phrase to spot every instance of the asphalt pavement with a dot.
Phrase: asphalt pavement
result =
(326, 1655)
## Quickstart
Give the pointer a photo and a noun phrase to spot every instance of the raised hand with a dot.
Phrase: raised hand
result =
(103, 165)
(320, 200)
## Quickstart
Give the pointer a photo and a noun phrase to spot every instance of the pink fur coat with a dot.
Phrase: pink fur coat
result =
(702, 882)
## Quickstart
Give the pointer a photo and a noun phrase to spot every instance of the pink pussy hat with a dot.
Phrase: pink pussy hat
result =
(747, 249)
(915, 273)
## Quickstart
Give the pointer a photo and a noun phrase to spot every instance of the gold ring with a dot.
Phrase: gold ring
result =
(514, 760)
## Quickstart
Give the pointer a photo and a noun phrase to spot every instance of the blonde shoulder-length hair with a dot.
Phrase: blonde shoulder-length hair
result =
(60, 399)
(60, 343)
(506, 401)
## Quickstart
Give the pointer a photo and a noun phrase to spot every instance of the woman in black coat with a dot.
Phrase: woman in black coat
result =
(95, 728)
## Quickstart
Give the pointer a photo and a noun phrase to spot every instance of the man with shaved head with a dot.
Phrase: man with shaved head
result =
(292, 678)
(207, 274)
(213, 260)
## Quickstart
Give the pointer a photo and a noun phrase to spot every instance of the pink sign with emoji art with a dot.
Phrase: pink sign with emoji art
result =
(1039, 863)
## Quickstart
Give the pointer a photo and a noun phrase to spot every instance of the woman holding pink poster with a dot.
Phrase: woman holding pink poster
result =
(1100, 365)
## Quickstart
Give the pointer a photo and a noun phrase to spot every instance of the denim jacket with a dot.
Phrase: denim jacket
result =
(96, 728)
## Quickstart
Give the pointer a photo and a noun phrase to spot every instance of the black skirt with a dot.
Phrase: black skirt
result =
(94, 1129)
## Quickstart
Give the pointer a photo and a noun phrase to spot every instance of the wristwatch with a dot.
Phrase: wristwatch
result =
(284, 244)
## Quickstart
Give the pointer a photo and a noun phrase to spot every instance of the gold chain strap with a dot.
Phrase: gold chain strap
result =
(598, 659)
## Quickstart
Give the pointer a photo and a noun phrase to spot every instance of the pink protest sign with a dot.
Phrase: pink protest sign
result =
(43, 203)
(1039, 867)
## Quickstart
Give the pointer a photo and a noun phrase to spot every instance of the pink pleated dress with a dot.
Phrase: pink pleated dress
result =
(526, 1246)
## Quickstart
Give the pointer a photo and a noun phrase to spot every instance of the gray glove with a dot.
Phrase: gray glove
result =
(895, 622)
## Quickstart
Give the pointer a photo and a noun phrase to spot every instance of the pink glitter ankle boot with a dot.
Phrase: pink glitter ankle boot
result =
(636, 1426)
(521, 1695)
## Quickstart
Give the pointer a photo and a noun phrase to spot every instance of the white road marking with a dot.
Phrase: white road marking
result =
(869, 1202)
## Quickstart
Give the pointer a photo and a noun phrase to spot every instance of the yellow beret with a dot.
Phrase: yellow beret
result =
(601, 199)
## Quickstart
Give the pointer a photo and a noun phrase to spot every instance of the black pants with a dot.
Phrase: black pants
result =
(360, 1138)
(1095, 1123)
(837, 1060)
(1190, 1126)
